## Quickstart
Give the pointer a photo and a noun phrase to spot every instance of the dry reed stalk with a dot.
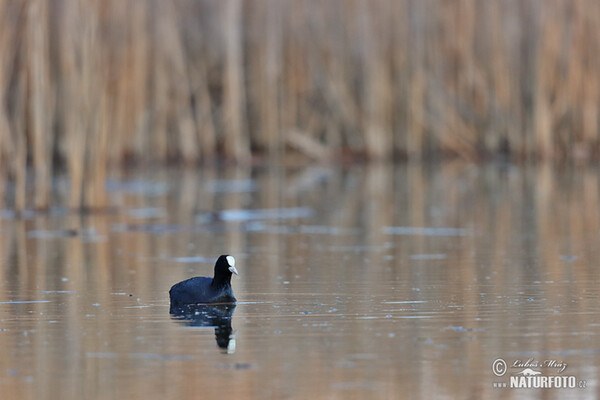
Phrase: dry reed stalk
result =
(71, 105)
(40, 103)
(236, 145)
(6, 145)
(177, 95)
(305, 58)
(95, 196)
(82, 97)
(11, 157)
(18, 111)
(307, 145)
(376, 93)
(542, 107)
(125, 65)
(342, 121)
(205, 128)
(139, 49)
(199, 65)
(501, 78)
(293, 69)
(160, 87)
(272, 67)
(590, 82)
(20, 146)
(417, 123)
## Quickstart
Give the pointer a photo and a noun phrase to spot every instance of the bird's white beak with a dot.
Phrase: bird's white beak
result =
(231, 262)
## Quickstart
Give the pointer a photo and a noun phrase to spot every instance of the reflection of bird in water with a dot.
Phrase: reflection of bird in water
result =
(209, 315)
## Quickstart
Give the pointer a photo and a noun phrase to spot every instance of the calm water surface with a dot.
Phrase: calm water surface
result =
(379, 282)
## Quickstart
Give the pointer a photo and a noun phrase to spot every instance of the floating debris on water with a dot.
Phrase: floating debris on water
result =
(568, 258)
(405, 302)
(462, 329)
(25, 302)
(420, 231)
(138, 187)
(56, 291)
(101, 355)
(149, 356)
(162, 357)
(150, 228)
(428, 257)
(192, 259)
(358, 248)
(86, 234)
(352, 386)
(235, 215)
(324, 230)
(52, 234)
(146, 213)
(231, 186)
(235, 366)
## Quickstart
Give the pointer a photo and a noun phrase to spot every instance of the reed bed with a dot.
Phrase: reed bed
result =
(90, 83)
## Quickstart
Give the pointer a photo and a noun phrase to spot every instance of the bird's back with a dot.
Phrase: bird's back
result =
(199, 290)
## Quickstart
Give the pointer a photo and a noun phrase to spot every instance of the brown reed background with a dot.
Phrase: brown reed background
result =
(90, 83)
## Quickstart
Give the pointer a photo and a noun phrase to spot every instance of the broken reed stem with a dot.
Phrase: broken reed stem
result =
(90, 83)
(40, 103)
(236, 143)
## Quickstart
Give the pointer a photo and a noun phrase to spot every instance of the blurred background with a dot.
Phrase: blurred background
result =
(87, 84)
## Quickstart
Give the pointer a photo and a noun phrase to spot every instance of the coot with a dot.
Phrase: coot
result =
(204, 289)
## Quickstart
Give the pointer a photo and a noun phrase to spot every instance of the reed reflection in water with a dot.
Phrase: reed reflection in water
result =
(381, 281)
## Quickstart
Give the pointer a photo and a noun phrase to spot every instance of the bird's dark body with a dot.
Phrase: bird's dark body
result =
(205, 290)
(200, 290)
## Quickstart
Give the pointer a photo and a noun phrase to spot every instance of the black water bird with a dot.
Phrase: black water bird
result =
(205, 290)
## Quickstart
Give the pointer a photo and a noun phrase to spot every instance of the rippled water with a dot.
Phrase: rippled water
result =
(378, 282)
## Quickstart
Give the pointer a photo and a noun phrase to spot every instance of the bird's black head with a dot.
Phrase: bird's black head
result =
(224, 267)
